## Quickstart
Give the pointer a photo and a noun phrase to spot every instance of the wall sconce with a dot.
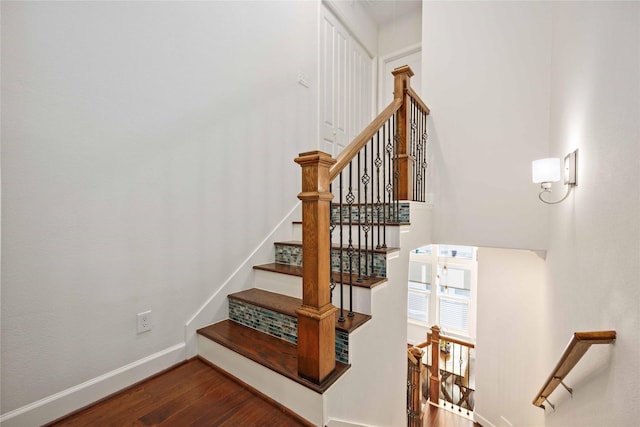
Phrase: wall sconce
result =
(547, 171)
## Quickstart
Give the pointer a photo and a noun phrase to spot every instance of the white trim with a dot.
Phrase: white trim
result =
(192, 324)
(482, 420)
(64, 402)
(340, 423)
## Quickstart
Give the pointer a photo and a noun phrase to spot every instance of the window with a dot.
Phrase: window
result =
(449, 303)
(419, 290)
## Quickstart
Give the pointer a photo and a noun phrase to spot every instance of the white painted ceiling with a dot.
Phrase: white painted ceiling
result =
(384, 11)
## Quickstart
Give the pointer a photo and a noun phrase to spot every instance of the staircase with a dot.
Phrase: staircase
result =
(275, 338)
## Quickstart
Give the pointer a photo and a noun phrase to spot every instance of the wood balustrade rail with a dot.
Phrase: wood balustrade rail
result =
(450, 382)
(351, 150)
(409, 91)
(447, 339)
(577, 347)
(398, 169)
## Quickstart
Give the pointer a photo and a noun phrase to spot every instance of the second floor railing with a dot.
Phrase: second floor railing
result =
(450, 379)
(385, 164)
(450, 363)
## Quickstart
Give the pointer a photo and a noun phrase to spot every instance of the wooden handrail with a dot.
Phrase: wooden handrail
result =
(577, 347)
(351, 150)
(434, 338)
(316, 320)
(412, 93)
(448, 339)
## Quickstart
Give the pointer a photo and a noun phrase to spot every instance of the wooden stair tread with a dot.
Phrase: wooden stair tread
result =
(387, 250)
(293, 270)
(271, 352)
(287, 305)
(389, 223)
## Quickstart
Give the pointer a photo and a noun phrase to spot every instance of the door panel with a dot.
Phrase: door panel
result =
(346, 85)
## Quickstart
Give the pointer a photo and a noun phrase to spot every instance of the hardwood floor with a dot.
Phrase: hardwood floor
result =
(195, 394)
(192, 394)
(437, 417)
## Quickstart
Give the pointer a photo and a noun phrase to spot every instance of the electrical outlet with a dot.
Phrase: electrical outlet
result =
(144, 322)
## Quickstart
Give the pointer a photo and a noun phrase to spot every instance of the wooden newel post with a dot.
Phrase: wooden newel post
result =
(316, 316)
(434, 374)
(414, 400)
(405, 160)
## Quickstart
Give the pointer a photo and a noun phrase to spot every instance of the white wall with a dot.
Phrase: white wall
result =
(486, 80)
(510, 82)
(509, 337)
(124, 134)
(593, 261)
(397, 34)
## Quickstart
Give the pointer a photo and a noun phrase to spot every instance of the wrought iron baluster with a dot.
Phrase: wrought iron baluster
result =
(389, 187)
(332, 226)
(386, 161)
(396, 171)
(365, 224)
(359, 226)
(340, 255)
(417, 192)
(425, 137)
(453, 369)
(412, 142)
(468, 391)
(350, 248)
(378, 163)
(369, 210)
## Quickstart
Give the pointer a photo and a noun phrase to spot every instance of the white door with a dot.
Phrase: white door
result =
(346, 85)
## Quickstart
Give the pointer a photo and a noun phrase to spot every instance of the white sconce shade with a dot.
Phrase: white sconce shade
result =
(545, 170)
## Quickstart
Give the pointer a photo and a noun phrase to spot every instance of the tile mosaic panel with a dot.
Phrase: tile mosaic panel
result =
(372, 213)
(379, 268)
(292, 255)
(279, 325)
(342, 346)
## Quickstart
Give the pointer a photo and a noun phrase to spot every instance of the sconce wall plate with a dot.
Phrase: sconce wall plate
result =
(546, 171)
(570, 168)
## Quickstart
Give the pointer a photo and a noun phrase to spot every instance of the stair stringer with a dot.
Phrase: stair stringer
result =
(373, 391)
(215, 308)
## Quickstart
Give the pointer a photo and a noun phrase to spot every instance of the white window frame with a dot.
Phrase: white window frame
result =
(435, 296)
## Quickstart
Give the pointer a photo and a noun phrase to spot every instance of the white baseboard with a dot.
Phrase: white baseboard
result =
(339, 423)
(62, 403)
(482, 420)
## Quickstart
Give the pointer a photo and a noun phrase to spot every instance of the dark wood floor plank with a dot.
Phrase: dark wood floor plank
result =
(110, 411)
(438, 417)
(154, 395)
(191, 394)
(183, 401)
